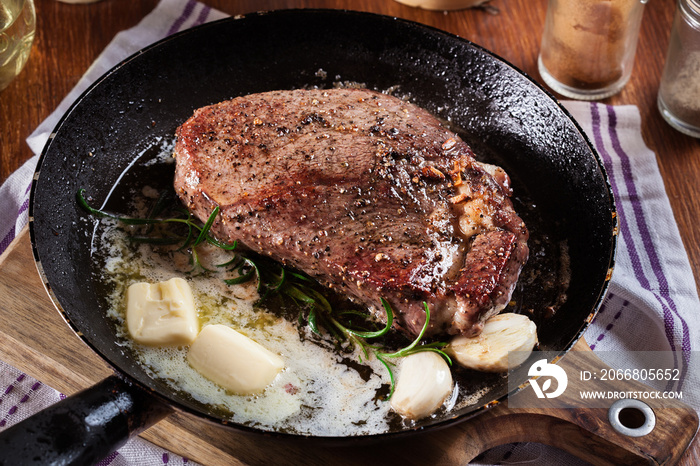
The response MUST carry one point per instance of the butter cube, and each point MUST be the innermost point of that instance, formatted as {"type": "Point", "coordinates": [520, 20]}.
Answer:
{"type": "Point", "coordinates": [233, 361]}
{"type": "Point", "coordinates": [161, 314]}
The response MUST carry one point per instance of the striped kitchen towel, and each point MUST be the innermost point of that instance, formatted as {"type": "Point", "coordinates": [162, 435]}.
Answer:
{"type": "Point", "coordinates": [652, 301]}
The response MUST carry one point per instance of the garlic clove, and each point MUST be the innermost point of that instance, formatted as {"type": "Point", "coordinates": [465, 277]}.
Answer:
{"type": "Point", "coordinates": [425, 381]}
{"type": "Point", "coordinates": [489, 350]}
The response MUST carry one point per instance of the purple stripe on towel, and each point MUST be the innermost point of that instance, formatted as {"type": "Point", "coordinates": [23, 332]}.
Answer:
{"type": "Point", "coordinates": [617, 315]}
{"type": "Point", "coordinates": [601, 310]}
{"type": "Point", "coordinates": [624, 228]}
{"type": "Point", "coordinates": [638, 213]}
{"type": "Point", "coordinates": [203, 15]}
{"type": "Point", "coordinates": [186, 12]}
{"type": "Point", "coordinates": [643, 227]}
{"type": "Point", "coordinates": [5, 242]}
{"type": "Point", "coordinates": [8, 389]}
{"type": "Point", "coordinates": [25, 204]}
{"type": "Point", "coordinates": [662, 295]}
{"type": "Point", "coordinates": [108, 459]}
{"type": "Point", "coordinates": [23, 208]}
{"type": "Point", "coordinates": [26, 397]}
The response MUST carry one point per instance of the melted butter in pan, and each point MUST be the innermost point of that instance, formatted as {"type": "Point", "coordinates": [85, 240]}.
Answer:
{"type": "Point", "coordinates": [315, 394]}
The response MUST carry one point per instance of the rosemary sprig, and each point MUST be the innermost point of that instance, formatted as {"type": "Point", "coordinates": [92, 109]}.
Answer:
{"type": "Point", "coordinates": [247, 270]}
{"type": "Point", "coordinates": [193, 226]}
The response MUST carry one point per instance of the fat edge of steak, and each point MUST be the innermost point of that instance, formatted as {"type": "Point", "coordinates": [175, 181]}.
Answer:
{"type": "Point", "coordinates": [369, 194]}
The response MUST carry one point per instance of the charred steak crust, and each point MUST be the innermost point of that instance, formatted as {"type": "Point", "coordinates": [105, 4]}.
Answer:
{"type": "Point", "coordinates": [366, 192]}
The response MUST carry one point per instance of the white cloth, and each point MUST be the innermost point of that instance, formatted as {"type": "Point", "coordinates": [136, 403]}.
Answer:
{"type": "Point", "coordinates": [652, 301]}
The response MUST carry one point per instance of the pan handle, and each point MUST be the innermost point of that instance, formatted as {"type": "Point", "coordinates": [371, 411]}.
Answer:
{"type": "Point", "coordinates": [83, 428]}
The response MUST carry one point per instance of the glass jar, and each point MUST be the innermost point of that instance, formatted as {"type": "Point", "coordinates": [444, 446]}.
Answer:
{"type": "Point", "coordinates": [17, 27]}
{"type": "Point", "coordinates": [588, 46]}
{"type": "Point", "coordinates": [679, 92]}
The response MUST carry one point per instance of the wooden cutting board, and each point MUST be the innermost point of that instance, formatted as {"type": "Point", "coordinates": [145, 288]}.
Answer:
{"type": "Point", "coordinates": [35, 339]}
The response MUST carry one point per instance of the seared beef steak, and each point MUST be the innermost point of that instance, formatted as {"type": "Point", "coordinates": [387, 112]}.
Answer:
{"type": "Point", "coordinates": [365, 192]}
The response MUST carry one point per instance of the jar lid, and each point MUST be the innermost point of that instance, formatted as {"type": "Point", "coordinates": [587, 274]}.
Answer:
{"type": "Point", "coordinates": [691, 8]}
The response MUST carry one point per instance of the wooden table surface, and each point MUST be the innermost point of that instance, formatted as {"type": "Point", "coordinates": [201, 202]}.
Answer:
{"type": "Point", "coordinates": [69, 37]}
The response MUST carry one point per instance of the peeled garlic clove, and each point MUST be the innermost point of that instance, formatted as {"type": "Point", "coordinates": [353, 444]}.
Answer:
{"type": "Point", "coordinates": [425, 381]}
{"type": "Point", "coordinates": [489, 350]}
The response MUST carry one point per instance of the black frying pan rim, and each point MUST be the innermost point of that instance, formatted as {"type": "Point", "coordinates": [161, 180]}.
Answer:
{"type": "Point", "coordinates": [125, 375]}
